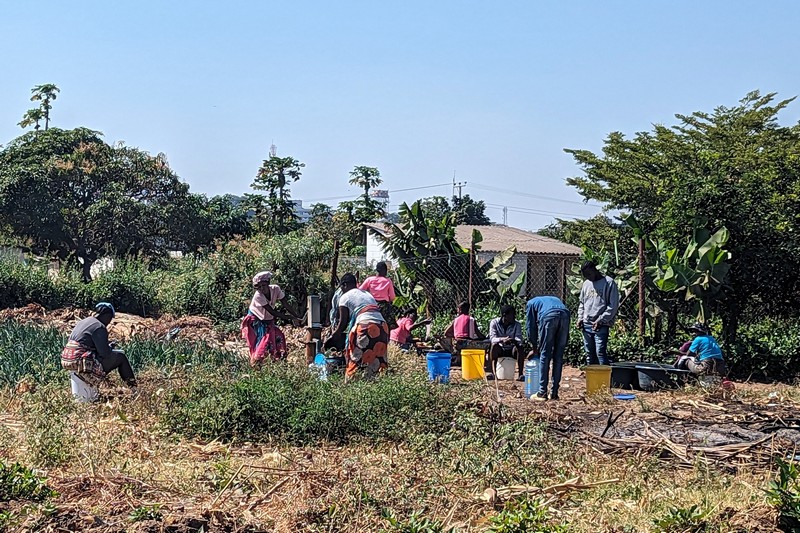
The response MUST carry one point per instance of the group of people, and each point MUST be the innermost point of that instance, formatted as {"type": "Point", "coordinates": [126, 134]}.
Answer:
{"type": "Point", "coordinates": [363, 326]}
{"type": "Point", "coordinates": [547, 323]}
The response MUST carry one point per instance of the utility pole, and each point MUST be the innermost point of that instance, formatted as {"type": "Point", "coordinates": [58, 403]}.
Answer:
{"type": "Point", "coordinates": [458, 186]}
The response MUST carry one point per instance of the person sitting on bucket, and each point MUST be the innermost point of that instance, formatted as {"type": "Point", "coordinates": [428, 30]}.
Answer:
{"type": "Point", "coordinates": [401, 335]}
{"type": "Point", "coordinates": [704, 355]}
{"type": "Point", "coordinates": [88, 352]}
{"type": "Point", "coordinates": [463, 329]}
{"type": "Point", "coordinates": [505, 334]}
{"type": "Point", "coordinates": [367, 332]}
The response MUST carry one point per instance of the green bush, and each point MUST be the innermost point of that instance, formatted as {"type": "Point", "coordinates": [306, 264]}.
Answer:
{"type": "Point", "coordinates": [292, 405]}
{"type": "Point", "coordinates": [767, 349]}
{"type": "Point", "coordinates": [29, 351]}
{"type": "Point", "coordinates": [18, 482]}
{"type": "Point", "coordinates": [21, 284]}
{"type": "Point", "coordinates": [525, 516]}
{"type": "Point", "coordinates": [784, 494]}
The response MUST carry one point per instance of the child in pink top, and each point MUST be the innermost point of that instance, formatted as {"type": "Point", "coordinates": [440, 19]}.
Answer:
{"type": "Point", "coordinates": [382, 289]}
{"type": "Point", "coordinates": [464, 327]}
{"type": "Point", "coordinates": [401, 335]}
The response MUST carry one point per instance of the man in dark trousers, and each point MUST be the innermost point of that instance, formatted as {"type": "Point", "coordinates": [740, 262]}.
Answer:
{"type": "Point", "coordinates": [89, 353]}
{"type": "Point", "coordinates": [547, 325]}
{"type": "Point", "coordinates": [599, 303]}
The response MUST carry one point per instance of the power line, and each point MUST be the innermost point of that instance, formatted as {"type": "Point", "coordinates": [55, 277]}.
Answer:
{"type": "Point", "coordinates": [390, 191]}
{"type": "Point", "coordinates": [530, 195]}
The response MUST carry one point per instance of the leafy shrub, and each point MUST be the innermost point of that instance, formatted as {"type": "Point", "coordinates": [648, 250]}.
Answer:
{"type": "Point", "coordinates": [784, 494]}
{"type": "Point", "coordinates": [293, 405]}
{"type": "Point", "coordinates": [29, 351]}
{"type": "Point", "coordinates": [524, 516]}
{"type": "Point", "coordinates": [768, 349]}
{"type": "Point", "coordinates": [682, 519]}
{"type": "Point", "coordinates": [18, 482]}
{"type": "Point", "coordinates": [21, 284]}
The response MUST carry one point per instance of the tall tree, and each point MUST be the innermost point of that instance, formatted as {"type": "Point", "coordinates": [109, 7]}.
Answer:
{"type": "Point", "coordinates": [469, 211]}
{"type": "Point", "coordinates": [70, 194]}
{"type": "Point", "coordinates": [32, 117]}
{"type": "Point", "coordinates": [277, 211]}
{"type": "Point", "coordinates": [597, 233]}
{"type": "Point", "coordinates": [464, 210]}
{"type": "Point", "coordinates": [45, 93]}
{"type": "Point", "coordinates": [735, 167]}
{"type": "Point", "coordinates": [367, 209]}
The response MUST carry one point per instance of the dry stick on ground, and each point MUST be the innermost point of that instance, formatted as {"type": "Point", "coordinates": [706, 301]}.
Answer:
{"type": "Point", "coordinates": [611, 421]}
{"type": "Point", "coordinates": [228, 484]}
{"type": "Point", "coordinates": [491, 495]}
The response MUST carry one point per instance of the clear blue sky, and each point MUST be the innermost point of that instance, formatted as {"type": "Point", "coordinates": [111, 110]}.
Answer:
{"type": "Point", "coordinates": [491, 90]}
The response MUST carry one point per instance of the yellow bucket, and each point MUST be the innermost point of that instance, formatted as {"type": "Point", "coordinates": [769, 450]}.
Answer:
{"type": "Point", "coordinates": [598, 378]}
{"type": "Point", "coordinates": [472, 364]}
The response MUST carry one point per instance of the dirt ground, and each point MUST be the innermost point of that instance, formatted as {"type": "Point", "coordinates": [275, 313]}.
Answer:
{"type": "Point", "coordinates": [742, 430]}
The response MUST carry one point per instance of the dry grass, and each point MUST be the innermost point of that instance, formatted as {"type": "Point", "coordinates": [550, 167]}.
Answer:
{"type": "Point", "coordinates": [122, 460]}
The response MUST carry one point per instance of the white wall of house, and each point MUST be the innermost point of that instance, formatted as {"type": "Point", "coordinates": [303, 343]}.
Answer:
{"type": "Point", "coordinates": [375, 251]}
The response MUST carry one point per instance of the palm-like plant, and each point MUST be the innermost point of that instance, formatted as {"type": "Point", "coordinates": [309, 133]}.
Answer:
{"type": "Point", "coordinates": [274, 176]}
{"type": "Point", "coordinates": [45, 93]}
{"type": "Point", "coordinates": [32, 117]}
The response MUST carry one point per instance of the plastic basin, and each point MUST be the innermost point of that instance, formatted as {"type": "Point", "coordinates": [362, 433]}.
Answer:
{"type": "Point", "coordinates": [655, 376]}
{"type": "Point", "coordinates": [625, 376]}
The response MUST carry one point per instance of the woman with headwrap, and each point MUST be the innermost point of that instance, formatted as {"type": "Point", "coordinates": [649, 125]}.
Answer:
{"type": "Point", "coordinates": [258, 327]}
{"type": "Point", "coordinates": [364, 328]}
{"type": "Point", "coordinates": [88, 352]}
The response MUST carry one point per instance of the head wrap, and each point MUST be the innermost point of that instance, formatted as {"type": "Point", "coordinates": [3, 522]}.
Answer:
{"type": "Point", "coordinates": [262, 277]}
{"type": "Point", "coordinates": [105, 307]}
{"type": "Point", "coordinates": [348, 279]}
{"type": "Point", "coordinates": [699, 327]}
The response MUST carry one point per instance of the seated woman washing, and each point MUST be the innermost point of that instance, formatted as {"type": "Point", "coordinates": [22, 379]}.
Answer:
{"type": "Point", "coordinates": [704, 355]}
{"type": "Point", "coordinates": [258, 327]}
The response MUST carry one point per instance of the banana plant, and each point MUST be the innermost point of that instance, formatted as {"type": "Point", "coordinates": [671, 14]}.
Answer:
{"type": "Point", "coordinates": [697, 274]}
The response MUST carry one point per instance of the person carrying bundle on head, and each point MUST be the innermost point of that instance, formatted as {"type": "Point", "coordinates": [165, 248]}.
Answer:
{"type": "Point", "coordinates": [89, 354]}
{"type": "Point", "coordinates": [263, 336]}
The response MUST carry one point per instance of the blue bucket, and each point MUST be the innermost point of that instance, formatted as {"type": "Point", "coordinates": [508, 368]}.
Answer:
{"type": "Point", "coordinates": [439, 367]}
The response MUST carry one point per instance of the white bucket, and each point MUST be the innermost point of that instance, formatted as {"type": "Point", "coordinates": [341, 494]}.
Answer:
{"type": "Point", "coordinates": [81, 390]}
{"type": "Point", "coordinates": [506, 367]}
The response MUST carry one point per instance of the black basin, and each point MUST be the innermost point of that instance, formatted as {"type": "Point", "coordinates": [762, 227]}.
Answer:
{"type": "Point", "coordinates": [625, 376]}
{"type": "Point", "coordinates": [655, 376]}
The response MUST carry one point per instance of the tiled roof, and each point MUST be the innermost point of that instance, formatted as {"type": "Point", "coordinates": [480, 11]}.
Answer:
{"type": "Point", "coordinates": [497, 238]}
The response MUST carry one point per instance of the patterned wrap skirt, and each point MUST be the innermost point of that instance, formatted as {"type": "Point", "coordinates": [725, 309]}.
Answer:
{"type": "Point", "coordinates": [366, 348]}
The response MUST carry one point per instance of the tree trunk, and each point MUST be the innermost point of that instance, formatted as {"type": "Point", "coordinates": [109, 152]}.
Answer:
{"type": "Point", "coordinates": [730, 321]}
{"type": "Point", "coordinates": [87, 269]}
{"type": "Point", "coordinates": [672, 322]}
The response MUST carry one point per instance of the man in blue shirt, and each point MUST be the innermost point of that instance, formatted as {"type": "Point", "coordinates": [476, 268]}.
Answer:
{"type": "Point", "coordinates": [547, 326]}
{"type": "Point", "coordinates": [704, 355]}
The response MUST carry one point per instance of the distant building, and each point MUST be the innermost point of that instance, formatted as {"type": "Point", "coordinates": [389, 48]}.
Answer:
{"type": "Point", "coordinates": [303, 214]}
{"type": "Point", "coordinates": [545, 262]}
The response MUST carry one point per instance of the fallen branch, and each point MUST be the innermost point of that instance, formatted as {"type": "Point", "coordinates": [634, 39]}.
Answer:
{"type": "Point", "coordinates": [492, 495]}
